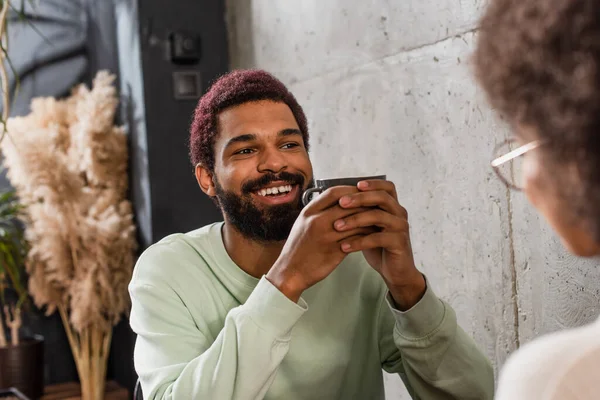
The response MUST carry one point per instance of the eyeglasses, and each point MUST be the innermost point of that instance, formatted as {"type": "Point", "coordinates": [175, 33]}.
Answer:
{"type": "Point", "coordinates": [508, 163]}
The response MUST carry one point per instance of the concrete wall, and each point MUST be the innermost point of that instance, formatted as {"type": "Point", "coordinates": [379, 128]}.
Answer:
{"type": "Point", "coordinates": [387, 89]}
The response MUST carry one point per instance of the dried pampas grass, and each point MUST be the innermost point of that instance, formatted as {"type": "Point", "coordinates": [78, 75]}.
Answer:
{"type": "Point", "coordinates": [68, 163]}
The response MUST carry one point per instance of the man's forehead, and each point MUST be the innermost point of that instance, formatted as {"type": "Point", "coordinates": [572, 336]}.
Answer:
{"type": "Point", "coordinates": [259, 118]}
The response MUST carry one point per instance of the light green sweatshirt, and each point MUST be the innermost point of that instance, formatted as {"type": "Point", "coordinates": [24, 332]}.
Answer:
{"type": "Point", "coordinates": [207, 330]}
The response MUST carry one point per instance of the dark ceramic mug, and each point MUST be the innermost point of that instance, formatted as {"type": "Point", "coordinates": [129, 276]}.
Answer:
{"type": "Point", "coordinates": [323, 184]}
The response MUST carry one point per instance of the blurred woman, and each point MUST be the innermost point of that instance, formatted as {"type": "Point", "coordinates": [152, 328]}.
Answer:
{"type": "Point", "coordinates": [539, 64]}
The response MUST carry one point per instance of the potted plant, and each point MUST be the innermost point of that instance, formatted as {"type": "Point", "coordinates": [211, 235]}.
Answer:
{"type": "Point", "coordinates": [68, 163]}
{"type": "Point", "coordinates": [21, 358]}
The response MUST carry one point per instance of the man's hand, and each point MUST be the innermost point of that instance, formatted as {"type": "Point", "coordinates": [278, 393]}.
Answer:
{"type": "Point", "coordinates": [312, 251]}
{"type": "Point", "coordinates": [388, 250]}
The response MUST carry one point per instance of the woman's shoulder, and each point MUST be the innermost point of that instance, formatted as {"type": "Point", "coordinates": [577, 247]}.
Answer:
{"type": "Point", "coordinates": [561, 365]}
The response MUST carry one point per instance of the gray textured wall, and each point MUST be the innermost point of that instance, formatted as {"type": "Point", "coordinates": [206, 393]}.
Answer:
{"type": "Point", "coordinates": [387, 89]}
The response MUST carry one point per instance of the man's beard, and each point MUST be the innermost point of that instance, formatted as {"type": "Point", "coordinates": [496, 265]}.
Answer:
{"type": "Point", "coordinates": [270, 223]}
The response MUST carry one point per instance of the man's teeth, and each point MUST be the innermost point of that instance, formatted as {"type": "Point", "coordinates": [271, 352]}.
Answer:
{"type": "Point", "coordinates": [275, 190]}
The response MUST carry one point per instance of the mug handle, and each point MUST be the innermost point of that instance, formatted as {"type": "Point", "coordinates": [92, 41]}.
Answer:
{"type": "Point", "coordinates": [306, 196]}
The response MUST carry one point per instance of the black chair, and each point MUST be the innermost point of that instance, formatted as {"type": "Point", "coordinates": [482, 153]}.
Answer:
{"type": "Point", "coordinates": [137, 391]}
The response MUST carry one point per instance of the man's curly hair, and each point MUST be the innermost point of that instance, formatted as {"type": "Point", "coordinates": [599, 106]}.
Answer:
{"type": "Point", "coordinates": [539, 63]}
{"type": "Point", "coordinates": [235, 88]}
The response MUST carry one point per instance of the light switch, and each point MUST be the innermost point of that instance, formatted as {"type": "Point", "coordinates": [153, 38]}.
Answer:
{"type": "Point", "coordinates": [187, 85]}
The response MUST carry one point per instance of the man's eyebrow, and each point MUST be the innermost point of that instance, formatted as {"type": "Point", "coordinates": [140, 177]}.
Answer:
{"type": "Point", "coordinates": [248, 137]}
{"type": "Point", "coordinates": [290, 131]}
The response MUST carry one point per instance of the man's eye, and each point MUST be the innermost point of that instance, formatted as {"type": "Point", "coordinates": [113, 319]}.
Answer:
{"type": "Point", "coordinates": [244, 151]}
{"type": "Point", "coordinates": [290, 145]}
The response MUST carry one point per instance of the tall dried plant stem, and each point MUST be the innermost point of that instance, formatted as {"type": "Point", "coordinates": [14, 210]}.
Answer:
{"type": "Point", "coordinates": [90, 350]}
{"type": "Point", "coordinates": [13, 323]}
{"type": "Point", "coordinates": [3, 342]}
{"type": "Point", "coordinates": [90, 347]}
{"type": "Point", "coordinates": [3, 67]}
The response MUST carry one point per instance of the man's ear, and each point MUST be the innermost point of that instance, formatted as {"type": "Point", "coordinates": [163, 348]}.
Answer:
{"type": "Point", "coordinates": [205, 180]}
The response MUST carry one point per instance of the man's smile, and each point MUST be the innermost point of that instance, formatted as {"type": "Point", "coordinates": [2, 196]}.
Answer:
{"type": "Point", "coordinates": [278, 192]}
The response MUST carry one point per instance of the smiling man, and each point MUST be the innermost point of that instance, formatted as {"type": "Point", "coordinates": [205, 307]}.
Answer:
{"type": "Point", "coordinates": [285, 302]}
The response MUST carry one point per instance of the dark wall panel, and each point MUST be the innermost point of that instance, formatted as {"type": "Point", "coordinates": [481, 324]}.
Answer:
{"type": "Point", "coordinates": [184, 48]}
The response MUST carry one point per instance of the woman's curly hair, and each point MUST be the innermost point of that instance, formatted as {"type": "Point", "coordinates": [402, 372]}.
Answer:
{"type": "Point", "coordinates": [539, 64]}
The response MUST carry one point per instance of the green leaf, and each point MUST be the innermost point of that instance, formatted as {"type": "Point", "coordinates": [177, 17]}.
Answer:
{"type": "Point", "coordinates": [13, 247]}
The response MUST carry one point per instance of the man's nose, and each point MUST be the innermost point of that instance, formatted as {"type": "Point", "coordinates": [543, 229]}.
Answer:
{"type": "Point", "coordinates": [272, 161]}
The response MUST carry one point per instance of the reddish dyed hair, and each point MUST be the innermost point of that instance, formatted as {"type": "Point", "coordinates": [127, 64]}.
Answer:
{"type": "Point", "coordinates": [232, 89]}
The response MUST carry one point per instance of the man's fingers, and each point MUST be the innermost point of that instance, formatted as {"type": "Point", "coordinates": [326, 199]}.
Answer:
{"type": "Point", "coordinates": [378, 198]}
{"type": "Point", "coordinates": [353, 234]}
{"type": "Point", "coordinates": [378, 184]}
{"type": "Point", "coordinates": [371, 217]}
{"type": "Point", "coordinates": [329, 198]}
{"type": "Point", "coordinates": [372, 241]}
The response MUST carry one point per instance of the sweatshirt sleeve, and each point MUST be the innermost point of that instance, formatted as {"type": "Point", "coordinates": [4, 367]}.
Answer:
{"type": "Point", "coordinates": [175, 359]}
{"type": "Point", "coordinates": [435, 358]}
